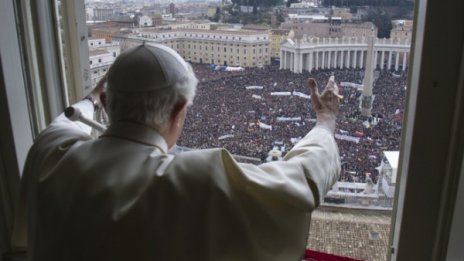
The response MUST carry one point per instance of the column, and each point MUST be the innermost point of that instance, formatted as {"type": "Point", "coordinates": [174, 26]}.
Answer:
{"type": "Point", "coordinates": [287, 58]}
{"type": "Point", "coordinates": [375, 60]}
{"type": "Point", "coordinates": [383, 60]}
{"type": "Point", "coordinates": [397, 61]}
{"type": "Point", "coordinates": [317, 60]}
{"type": "Point", "coordinates": [349, 60]}
{"type": "Point", "coordinates": [295, 62]}
{"type": "Point", "coordinates": [389, 59]}
{"type": "Point", "coordinates": [300, 63]}
{"type": "Point", "coordinates": [355, 58]}
{"type": "Point", "coordinates": [361, 64]}
{"type": "Point", "coordinates": [291, 61]}
{"type": "Point", "coordinates": [330, 59]}
{"type": "Point", "coordinates": [336, 59]}
{"type": "Point", "coordinates": [323, 59]}
{"type": "Point", "coordinates": [404, 60]}
{"type": "Point", "coordinates": [342, 59]}
{"type": "Point", "coordinates": [310, 61]}
{"type": "Point", "coordinates": [281, 60]}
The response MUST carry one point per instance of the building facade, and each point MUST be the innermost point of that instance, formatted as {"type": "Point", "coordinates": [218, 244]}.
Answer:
{"type": "Point", "coordinates": [106, 32]}
{"type": "Point", "coordinates": [102, 14]}
{"type": "Point", "coordinates": [350, 52]}
{"type": "Point", "coordinates": [323, 27]}
{"type": "Point", "coordinates": [234, 48]}
{"type": "Point", "coordinates": [343, 13]}
{"type": "Point", "coordinates": [101, 56]}
{"type": "Point", "coordinates": [145, 21]}
{"type": "Point", "coordinates": [402, 29]}
{"type": "Point", "coordinates": [276, 37]}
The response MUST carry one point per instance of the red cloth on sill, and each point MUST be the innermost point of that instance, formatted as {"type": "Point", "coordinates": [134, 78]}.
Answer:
{"type": "Point", "coordinates": [311, 255]}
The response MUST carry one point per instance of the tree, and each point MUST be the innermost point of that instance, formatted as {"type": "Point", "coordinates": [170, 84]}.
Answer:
{"type": "Point", "coordinates": [382, 21]}
{"type": "Point", "coordinates": [384, 25]}
{"type": "Point", "coordinates": [217, 15]}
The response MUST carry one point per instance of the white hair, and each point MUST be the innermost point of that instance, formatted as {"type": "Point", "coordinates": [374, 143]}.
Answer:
{"type": "Point", "coordinates": [151, 108]}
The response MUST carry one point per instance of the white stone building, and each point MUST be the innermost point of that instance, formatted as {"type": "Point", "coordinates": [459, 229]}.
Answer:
{"type": "Point", "coordinates": [101, 56]}
{"type": "Point", "coordinates": [229, 47]}
{"type": "Point", "coordinates": [347, 52]}
{"type": "Point", "coordinates": [145, 21]}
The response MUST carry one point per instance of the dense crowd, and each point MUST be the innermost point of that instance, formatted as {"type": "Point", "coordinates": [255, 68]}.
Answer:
{"type": "Point", "coordinates": [227, 114]}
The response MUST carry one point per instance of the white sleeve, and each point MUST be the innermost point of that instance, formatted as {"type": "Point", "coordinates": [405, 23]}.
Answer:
{"type": "Point", "coordinates": [87, 109]}
{"type": "Point", "coordinates": [306, 173]}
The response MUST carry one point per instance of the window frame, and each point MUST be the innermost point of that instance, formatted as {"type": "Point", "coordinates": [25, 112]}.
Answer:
{"type": "Point", "coordinates": [420, 231]}
{"type": "Point", "coordinates": [434, 154]}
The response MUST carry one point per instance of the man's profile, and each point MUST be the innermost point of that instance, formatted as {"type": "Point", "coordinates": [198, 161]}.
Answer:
{"type": "Point", "coordinates": [122, 197]}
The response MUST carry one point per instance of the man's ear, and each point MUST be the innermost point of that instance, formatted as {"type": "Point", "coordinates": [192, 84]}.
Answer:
{"type": "Point", "coordinates": [103, 99]}
{"type": "Point", "coordinates": [176, 111]}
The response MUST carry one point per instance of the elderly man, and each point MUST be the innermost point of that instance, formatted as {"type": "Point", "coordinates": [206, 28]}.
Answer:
{"type": "Point", "coordinates": [122, 197]}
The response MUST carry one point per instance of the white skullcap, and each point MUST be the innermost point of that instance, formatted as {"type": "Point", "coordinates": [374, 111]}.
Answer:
{"type": "Point", "coordinates": [147, 67]}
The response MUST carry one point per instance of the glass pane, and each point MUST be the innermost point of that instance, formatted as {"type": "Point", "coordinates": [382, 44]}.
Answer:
{"type": "Point", "coordinates": [253, 63]}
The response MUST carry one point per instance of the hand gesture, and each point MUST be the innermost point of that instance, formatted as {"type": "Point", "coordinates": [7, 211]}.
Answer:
{"type": "Point", "coordinates": [326, 105]}
{"type": "Point", "coordinates": [96, 93]}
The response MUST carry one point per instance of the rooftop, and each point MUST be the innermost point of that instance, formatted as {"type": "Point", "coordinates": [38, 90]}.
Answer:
{"type": "Point", "coordinates": [94, 52]}
{"type": "Point", "coordinates": [358, 234]}
{"type": "Point", "coordinates": [186, 30]}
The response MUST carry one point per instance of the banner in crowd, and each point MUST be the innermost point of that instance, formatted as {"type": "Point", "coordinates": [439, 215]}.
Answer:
{"type": "Point", "coordinates": [288, 118]}
{"type": "Point", "coordinates": [359, 87]}
{"type": "Point", "coordinates": [254, 87]}
{"type": "Point", "coordinates": [265, 126]}
{"type": "Point", "coordinates": [258, 97]}
{"type": "Point", "coordinates": [295, 140]}
{"type": "Point", "coordinates": [302, 95]}
{"type": "Point", "coordinates": [281, 93]}
{"type": "Point", "coordinates": [234, 69]}
{"type": "Point", "coordinates": [347, 138]}
{"type": "Point", "coordinates": [226, 136]}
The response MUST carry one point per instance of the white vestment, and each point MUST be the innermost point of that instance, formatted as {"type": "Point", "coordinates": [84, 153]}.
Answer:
{"type": "Point", "coordinates": [121, 197]}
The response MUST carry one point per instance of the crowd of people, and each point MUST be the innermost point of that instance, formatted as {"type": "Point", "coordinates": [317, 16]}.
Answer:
{"type": "Point", "coordinates": [252, 121]}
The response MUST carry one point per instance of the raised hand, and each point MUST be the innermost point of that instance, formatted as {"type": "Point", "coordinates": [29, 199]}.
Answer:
{"type": "Point", "coordinates": [326, 105]}
{"type": "Point", "coordinates": [97, 92]}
